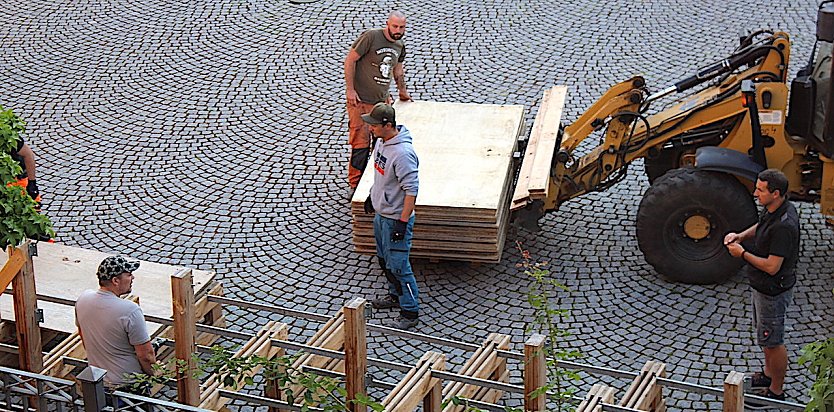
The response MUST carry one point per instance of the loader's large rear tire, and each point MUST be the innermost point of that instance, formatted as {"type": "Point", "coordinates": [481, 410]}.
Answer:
{"type": "Point", "coordinates": [683, 218]}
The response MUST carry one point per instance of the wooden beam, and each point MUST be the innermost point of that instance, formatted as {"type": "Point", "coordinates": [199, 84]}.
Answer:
{"type": "Point", "coordinates": [356, 352]}
{"type": "Point", "coordinates": [734, 392]}
{"type": "Point", "coordinates": [182, 293]}
{"type": "Point", "coordinates": [11, 268]}
{"type": "Point", "coordinates": [25, 309]}
{"type": "Point", "coordinates": [535, 373]}
{"type": "Point", "coordinates": [433, 401]}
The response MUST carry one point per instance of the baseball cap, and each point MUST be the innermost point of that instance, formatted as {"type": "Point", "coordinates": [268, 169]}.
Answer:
{"type": "Point", "coordinates": [381, 113]}
{"type": "Point", "coordinates": [113, 266]}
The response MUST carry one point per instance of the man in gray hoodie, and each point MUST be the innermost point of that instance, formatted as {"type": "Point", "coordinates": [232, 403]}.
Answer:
{"type": "Point", "coordinates": [392, 199]}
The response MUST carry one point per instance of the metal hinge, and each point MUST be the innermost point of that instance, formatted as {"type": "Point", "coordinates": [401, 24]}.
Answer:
{"type": "Point", "coordinates": [33, 248]}
{"type": "Point", "coordinates": [39, 315]}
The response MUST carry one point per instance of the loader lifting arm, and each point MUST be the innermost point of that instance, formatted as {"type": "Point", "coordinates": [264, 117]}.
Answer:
{"type": "Point", "coordinates": [628, 133]}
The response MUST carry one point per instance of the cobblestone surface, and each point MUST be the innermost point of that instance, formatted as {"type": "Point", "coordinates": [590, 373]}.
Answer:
{"type": "Point", "coordinates": [213, 134]}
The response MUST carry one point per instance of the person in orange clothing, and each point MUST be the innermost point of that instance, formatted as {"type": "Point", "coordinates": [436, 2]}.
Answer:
{"type": "Point", "coordinates": [373, 60]}
{"type": "Point", "coordinates": [26, 158]}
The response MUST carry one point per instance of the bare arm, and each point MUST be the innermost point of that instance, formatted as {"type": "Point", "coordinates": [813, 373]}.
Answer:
{"type": "Point", "coordinates": [146, 356]}
{"type": "Point", "coordinates": [29, 160]}
{"type": "Point", "coordinates": [350, 72]}
{"type": "Point", "coordinates": [399, 78]}
{"type": "Point", "coordinates": [769, 265]}
{"type": "Point", "coordinates": [408, 207]}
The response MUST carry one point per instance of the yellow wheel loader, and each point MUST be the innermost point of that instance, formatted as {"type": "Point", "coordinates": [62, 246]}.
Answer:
{"type": "Point", "coordinates": [703, 152]}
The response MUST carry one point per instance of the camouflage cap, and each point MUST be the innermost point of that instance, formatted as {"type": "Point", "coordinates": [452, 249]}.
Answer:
{"type": "Point", "coordinates": [113, 266]}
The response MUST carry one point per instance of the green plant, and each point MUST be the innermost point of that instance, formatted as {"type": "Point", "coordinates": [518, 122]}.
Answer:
{"type": "Point", "coordinates": [819, 358]}
{"type": "Point", "coordinates": [322, 392]}
{"type": "Point", "coordinates": [19, 218]}
{"type": "Point", "coordinates": [544, 296]}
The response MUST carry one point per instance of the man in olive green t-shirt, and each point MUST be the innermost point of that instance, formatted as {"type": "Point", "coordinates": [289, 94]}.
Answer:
{"type": "Point", "coordinates": [374, 58]}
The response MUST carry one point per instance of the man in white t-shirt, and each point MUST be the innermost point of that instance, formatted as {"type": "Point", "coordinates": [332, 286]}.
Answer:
{"type": "Point", "coordinates": [113, 329]}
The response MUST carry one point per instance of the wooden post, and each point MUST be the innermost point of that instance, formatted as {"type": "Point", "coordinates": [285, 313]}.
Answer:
{"type": "Point", "coordinates": [434, 399]}
{"type": "Point", "coordinates": [25, 313]}
{"type": "Point", "coordinates": [185, 328]}
{"type": "Point", "coordinates": [734, 392]}
{"type": "Point", "coordinates": [356, 352]}
{"type": "Point", "coordinates": [535, 372]}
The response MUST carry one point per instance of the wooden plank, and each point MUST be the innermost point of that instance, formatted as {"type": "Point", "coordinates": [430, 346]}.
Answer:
{"type": "Point", "coordinates": [734, 392]}
{"type": "Point", "coordinates": [29, 345]}
{"type": "Point", "coordinates": [548, 130]}
{"type": "Point", "coordinates": [477, 140]}
{"type": "Point", "coordinates": [11, 268]}
{"type": "Point", "coordinates": [535, 372]}
{"type": "Point", "coordinates": [65, 272]}
{"type": "Point", "coordinates": [356, 352]}
{"type": "Point", "coordinates": [185, 328]}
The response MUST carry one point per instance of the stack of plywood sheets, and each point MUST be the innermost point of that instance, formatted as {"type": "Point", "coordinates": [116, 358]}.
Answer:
{"type": "Point", "coordinates": [466, 167]}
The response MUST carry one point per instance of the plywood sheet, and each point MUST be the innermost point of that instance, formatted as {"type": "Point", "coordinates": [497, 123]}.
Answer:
{"type": "Point", "coordinates": [464, 151]}
{"type": "Point", "coordinates": [65, 271]}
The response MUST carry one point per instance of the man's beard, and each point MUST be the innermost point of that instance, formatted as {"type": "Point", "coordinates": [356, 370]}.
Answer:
{"type": "Point", "coordinates": [395, 36]}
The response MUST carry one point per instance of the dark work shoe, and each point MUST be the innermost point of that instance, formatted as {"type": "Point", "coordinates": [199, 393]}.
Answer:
{"type": "Point", "coordinates": [402, 323]}
{"type": "Point", "coordinates": [752, 404]}
{"type": "Point", "coordinates": [349, 193]}
{"type": "Point", "coordinates": [756, 381]}
{"type": "Point", "coordinates": [386, 302]}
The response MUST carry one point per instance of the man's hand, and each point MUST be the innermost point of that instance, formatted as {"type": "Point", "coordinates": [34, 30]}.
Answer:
{"type": "Point", "coordinates": [369, 206]}
{"type": "Point", "coordinates": [731, 237]}
{"type": "Point", "coordinates": [353, 97]}
{"type": "Point", "coordinates": [735, 249]}
{"type": "Point", "coordinates": [404, 96]}
{"type": "Point", "coordinates": [399, 230]}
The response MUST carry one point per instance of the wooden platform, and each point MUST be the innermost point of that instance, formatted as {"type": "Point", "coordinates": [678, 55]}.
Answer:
{"type": "Point", "coordinates": [465, 153]}
{"type": "Point", "coordinates": [64, 272]}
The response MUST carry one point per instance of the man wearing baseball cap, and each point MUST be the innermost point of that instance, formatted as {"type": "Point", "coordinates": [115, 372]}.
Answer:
{"type": "Point", "coordinates": [392, 199]}
{"type": "Point", "coordinates": [113, 329]}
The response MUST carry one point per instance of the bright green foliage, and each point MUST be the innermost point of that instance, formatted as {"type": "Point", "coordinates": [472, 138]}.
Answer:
{"type": "Point", "coordinates": [18, 218]}
{"type": "Point", "coordinates": [819, 356]}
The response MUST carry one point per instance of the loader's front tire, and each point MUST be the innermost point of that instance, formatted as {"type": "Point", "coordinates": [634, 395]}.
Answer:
{"type": "Point", "coordinates": [683, 218]}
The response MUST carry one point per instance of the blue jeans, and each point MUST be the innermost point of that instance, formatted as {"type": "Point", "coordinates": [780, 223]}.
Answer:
{"type": "Point", "coordinates": [401, 281]}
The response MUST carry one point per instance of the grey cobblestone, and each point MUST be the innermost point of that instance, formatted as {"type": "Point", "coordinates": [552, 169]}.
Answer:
{"type": "Point", "coordinates": [212, 134]}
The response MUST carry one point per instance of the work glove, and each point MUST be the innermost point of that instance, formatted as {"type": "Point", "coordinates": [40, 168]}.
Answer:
{"type": "Point", "coordinates": [369, 206]}
{"type": "Point", "coordinates": [32, 189]}
{"type": "Point", "coordinates": [398, 233]}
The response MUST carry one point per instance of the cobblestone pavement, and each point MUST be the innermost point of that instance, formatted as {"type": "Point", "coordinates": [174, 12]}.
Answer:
{"type": "Point", "coordinates": [212, 134]}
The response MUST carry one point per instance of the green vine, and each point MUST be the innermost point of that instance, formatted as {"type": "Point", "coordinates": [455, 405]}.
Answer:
{"type": "Point", "coordinates": [819, 358]}
{"type": "Point", "coordinates": [544, 297]}
{"type": "Point", "coordinates": [19, 218]}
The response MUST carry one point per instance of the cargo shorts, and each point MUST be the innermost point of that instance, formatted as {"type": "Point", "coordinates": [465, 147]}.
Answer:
{"type": "Point", "coordinates": [769, 317]}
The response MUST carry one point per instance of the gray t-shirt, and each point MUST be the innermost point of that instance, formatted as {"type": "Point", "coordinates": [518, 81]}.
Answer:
{"type": "Point", "coordinates": [375, 67]}
{"type": "Point", "coordinates": [110, 327]}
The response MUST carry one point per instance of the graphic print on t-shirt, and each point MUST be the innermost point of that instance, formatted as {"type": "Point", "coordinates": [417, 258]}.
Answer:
{"type": "Point", "coordinates": [379, 163]}
{"type": "Point", "coordinates": [386, 64]}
